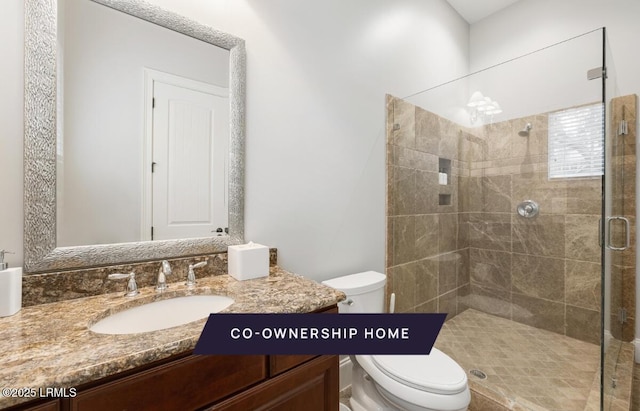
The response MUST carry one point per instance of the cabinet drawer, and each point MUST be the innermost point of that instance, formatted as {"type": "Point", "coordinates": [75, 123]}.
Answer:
{"type": "Point", "coordinates": [46, 406]}
{"type": "Point", "coordinates": [312, 386]}
{"type": "Point", "coordinates": [185, 384]}
{"type": "Point", "coordinates": [281, 363]}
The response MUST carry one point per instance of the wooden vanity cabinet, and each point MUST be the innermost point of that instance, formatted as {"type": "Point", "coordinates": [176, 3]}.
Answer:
{"type": "Point", "coordinates": [188, 383]}
{"type": "Point", "coordinates": [312, 386]}
{"type": "Point", "coordinates": [213, 383]}
{"type": "Point", "coordinates": [53, 405]}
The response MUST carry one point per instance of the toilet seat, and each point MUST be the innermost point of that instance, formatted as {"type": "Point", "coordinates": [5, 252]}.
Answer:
{"type": "Point", "coordinates": [436, 372]}
{"type": "Point", "coordinates": [413, 391]}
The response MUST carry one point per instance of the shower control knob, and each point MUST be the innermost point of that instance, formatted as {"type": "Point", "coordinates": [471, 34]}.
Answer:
{"type": "Point", "coordinates": [528, 209]}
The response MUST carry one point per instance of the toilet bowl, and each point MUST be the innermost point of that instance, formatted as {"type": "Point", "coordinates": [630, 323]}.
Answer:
{"type": "Point", "coordinates": [433, 382]}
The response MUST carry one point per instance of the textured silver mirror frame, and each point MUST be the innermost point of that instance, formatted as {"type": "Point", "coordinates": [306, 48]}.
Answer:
{"type": "Point", "coordinates": [40, 251]}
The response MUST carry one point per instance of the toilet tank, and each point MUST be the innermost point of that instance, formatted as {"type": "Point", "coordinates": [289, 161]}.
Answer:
{"type": "Point", "coordinates": [365, 292]}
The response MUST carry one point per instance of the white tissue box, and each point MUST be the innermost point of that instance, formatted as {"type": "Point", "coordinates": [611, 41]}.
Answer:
{"type": "Point", "coordinates": [248, 261]}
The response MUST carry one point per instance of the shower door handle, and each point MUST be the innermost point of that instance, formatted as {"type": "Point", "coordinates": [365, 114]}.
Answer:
{"type": "Point", "coordinates": [627, 231]}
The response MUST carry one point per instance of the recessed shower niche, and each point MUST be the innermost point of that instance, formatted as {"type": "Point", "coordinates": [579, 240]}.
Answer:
{"type": "Point", "coordinates": [444, 171]}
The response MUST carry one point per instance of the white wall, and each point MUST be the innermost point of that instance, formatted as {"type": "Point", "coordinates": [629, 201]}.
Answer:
{"type": "Point", "coordinates": [316, 79]}
{"type": "Point", "coordinates": [529, 25]}
{"type": "Point", "coordinates": [317, 75]}
{"type": "Point", "coordinates": [11, 129]}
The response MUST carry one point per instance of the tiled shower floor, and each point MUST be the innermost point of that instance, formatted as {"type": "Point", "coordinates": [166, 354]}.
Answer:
{"type": "Point", "coordinates": [527, 368]}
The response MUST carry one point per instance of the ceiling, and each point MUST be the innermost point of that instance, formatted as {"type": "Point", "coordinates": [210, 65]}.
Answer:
{"type": "Point", "coordinates": [475, 10]}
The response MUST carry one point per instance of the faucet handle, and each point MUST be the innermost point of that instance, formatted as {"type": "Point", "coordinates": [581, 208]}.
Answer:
{"type": "Point", "coordinates": [132, 286]}
{"type": "Point", "coordinates": [163, 272]}
{"type": "Point", "coordinates": [191, 276]}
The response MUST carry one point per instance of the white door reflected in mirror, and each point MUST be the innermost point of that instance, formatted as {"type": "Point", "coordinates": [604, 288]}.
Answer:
{"type": "Point", "coordinates": [189, 145]}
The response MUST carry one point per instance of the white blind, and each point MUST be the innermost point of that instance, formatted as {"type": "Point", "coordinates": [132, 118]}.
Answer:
{"type": "Point", "coordinates": [576, 142]}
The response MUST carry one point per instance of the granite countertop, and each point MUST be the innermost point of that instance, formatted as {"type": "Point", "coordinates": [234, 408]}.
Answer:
{"type": "Point", "coordinates": [50, 345]}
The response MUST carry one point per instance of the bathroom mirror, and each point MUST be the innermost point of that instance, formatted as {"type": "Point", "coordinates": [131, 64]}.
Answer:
{"type": "Point", "coordinates": [43, 105]}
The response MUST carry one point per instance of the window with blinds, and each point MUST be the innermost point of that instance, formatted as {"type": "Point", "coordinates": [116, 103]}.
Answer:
{"type": "Point", "coordinates": [576, 143]}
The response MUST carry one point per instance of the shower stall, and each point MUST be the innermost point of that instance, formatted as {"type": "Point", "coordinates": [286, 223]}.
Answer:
{"type": "Point", "coordinates": [511, 207]}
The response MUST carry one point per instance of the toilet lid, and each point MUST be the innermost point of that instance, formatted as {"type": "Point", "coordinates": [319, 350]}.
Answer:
{"type": "Point", "coordinates": [436, 372]}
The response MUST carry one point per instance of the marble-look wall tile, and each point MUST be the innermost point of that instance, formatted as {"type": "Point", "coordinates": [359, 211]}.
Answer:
{"type": "Point", "coordinates": [625, 107]}
{"type": "Point", "coordinates": [490, 194]}
{"type": "Point", "coordinates": [427, 235]}
{"type": "Point", "coordinates": [402, 191]}
{"type": "Point", "coordinates": [448, 266]}
{"type": "Point", "coordinates": [426, 192]}
{"type": "Point", "coordinates": [471, 147]}
{"type": "Point", "coordinates": [489, 268]}
{"type": "Point", "coordinates": [536, 276]}
{"type": "Point", "coordinates": [390, 102]}
{"type": "Point", "coordinates": [413, 159]}
{"type": "Point", "coordinates": [463, 231]}
{"type": "Point", "coordinates": [389, 243]}
{"type": "Point", "coordinates": [583, 324]}
{"type": "Point", "coordinates": [629, 184]}
{"type": "Point", "coordinates": [402, 281]}
{"type": "Point", "coordinates": [582, 284]}
{"type": "Point", "coordinates": [448, 227]}
{"type": "Point", "coordinates": [528, 270]}
{"type": "Point", "coordinates": [464, 276]}
{"type": "Point", "coordinates": [463, 194]}
{"type": "Point", "coordinates": [430, 306]}
{"type": "Point", "coordinates": [426, 285]}
{"type": "Point", "coordinates": [617, 285]}
{"type": "Point", "coordinates": [480, 402]}
{"type": "Point", "coordinates": [582, 242]}
{"type": "Point", "coordinates": [449, 141]}
{"type": "Point", "coordinates": [452, 190]}
{"type": "Point", "coordinates": [404, 124]}
{"type": "Point", "coordinates": [543, 235]}
{"type": "Point", "coordinates": [427, 126]}
{"type": "Point", "coordinates": [420, 228]}
{"type": "Point", "coordinates": [551, 195]}
{"type": "Point", "coordinates": [498, 137]}
{"type": "Point", "coordinates": [629, 301]}
{"type": "Point", "coordinates": [535, 141]}
{"type": "Point", "coordinates": [462, 293]}
{"type": "Point", "coordinates": [488, 300]}
{"type": "Point", "coordinates": [490, 231]}
{"type": "Point", "coordinates": [584, 196]}
{"type": "Point", "coordinates": [436, 135]}
{"type": "Point", "coordinates": [448, 303]}
{"type": "Point", "coordinates": [539, 313]}
{"type": "Point", "coordinates": [628, 291]}
{"type": "Point", "coordinates": [404, 239]}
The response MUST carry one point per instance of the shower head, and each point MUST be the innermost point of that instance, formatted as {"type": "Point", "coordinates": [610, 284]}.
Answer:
{"type": "Point", "coordinates": [525, 131]}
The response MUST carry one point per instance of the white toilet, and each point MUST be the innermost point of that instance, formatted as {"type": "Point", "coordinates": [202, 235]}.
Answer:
{"type": "Point", "coordinates": [433, 382]}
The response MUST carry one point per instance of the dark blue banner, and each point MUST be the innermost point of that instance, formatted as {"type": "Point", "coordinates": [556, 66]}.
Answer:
{"type": "Point", "coordinates": [319, 334]}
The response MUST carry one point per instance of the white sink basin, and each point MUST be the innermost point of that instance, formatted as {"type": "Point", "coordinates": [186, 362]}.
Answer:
{"type": "Point", "coordinates": [160, 315]}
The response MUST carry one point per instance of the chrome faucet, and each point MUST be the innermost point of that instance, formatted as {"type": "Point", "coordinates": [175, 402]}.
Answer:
{"type": "Point", "coordinates": [191, 275]}
{"type": "Point", "coordinates": [165, 270]}
{"type": "Point", "coordinates": [132, 287]}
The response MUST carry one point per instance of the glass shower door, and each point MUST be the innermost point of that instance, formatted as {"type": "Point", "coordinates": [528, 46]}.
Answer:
{"type": "Point", "coordinates": [618, 227]}
{"type": "Point", "coordinates": [522, 283]}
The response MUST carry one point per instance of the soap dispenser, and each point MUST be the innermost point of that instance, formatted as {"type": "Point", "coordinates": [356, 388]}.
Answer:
{"type": "Point", "coordinates": [10, 288]}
